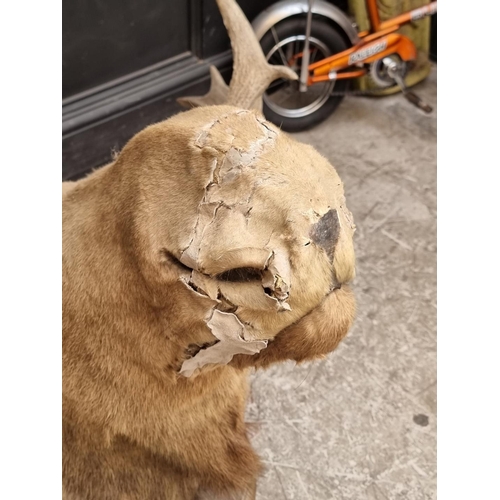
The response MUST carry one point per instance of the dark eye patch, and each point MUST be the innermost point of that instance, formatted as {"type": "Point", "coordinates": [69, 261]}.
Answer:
{"type": "Point", "coordinates": [241, 275]}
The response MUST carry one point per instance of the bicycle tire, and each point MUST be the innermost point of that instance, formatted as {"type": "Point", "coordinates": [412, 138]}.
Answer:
{"type": "Point", "coordinates": [328, 41]}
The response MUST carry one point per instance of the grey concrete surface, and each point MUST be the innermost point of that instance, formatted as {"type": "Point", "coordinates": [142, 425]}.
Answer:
{"type": "Point", "coordinates": [361, 424]}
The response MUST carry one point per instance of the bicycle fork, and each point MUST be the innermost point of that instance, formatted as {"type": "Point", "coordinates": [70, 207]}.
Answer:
{"type": "Point", "coordinates": [304, 69]}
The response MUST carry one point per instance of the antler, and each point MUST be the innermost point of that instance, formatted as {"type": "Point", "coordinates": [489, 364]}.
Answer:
{"type": "Point", "coordinates": [251, 72]}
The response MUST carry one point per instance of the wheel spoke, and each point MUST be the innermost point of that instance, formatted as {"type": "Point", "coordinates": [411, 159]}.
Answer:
{"type": "Point", "coordinates": [280, 50]}
{"type": "Point", "coordinates": [315, 52]}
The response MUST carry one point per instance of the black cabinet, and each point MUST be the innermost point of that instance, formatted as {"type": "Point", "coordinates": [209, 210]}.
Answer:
{"type": "Point", "coordinates": [105, 40]}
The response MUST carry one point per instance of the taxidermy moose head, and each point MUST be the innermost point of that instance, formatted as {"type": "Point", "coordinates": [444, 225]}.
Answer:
{"type": "Point", "coordinates": [213, 243]}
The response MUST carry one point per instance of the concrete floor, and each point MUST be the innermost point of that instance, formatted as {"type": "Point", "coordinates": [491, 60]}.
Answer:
{"type": "Point", "coordinates": [362, 423]}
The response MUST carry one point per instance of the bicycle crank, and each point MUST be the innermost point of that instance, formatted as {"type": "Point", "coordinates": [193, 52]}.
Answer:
{"type": "Point", "coordinates": [396, 72]}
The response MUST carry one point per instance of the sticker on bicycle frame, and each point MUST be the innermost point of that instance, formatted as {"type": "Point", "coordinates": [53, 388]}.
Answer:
{"type": "Point", "coordinates": [369, 51]}
{"type": "Point", "coordinates": [423, 11]}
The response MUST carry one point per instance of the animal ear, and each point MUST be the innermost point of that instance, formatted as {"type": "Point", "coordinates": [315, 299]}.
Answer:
{"type": "Point", "coordinates": [251, 72]}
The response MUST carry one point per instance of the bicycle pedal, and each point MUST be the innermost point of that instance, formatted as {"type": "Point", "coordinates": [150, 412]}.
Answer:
{"type": "Point", "coordinates": [416, 101]}
{"type": "Point", "coordinates": [413, 98]}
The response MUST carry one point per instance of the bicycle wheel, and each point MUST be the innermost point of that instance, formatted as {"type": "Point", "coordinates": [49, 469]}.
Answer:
{"type": "Point", "coordinates": [284, 104]}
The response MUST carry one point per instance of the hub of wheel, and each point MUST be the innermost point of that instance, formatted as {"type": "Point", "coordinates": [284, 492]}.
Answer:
{"type": "Point", "coordinates": [384, 71]}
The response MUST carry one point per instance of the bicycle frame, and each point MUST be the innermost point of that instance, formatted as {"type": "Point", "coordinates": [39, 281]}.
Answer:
{"type": "Point", "coordinates": [376, 44]}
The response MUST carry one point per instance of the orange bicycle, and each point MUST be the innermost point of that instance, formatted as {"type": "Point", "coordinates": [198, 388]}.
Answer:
{"type": "Point", "coordinates": [321, 43]}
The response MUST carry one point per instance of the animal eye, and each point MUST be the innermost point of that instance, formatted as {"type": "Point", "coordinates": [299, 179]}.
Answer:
{"type": "Point", "coordinates": [241, 275]}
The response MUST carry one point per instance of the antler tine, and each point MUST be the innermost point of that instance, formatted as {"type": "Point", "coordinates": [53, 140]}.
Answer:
{"type": "Point", "coordinates": [217, 94]}
{"type": "Point", "coordinates": [251, 72]}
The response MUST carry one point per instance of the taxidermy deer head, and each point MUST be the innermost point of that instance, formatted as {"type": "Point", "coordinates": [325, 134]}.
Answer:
{"type": "Point", "coordinates": [213, 242]}
{"type": "Point", "coordinates": [235, 224]}
{"type": "Point", "coordinates": [246, 167]}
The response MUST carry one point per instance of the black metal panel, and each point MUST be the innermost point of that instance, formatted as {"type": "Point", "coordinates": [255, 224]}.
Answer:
{"type": "Point", "coordinates": [106, 39]}
{"type": "Point", "coordinates": [108, 100]}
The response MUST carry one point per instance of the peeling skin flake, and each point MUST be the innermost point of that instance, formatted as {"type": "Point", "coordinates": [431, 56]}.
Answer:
{"type": "Point", "coordinates": [231, 333]}
{"type": "Point", "coordinates": [233, 337]}
{"type": "Point", "coordinates": [206, 284]}
{"type": "Point", "coordinates": [225, 170]}
{"type": "Point", "coordinates": [277, 277]}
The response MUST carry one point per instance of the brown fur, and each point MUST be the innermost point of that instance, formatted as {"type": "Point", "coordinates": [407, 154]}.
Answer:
{"type": "Point", "coordinates": [133, 428]}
